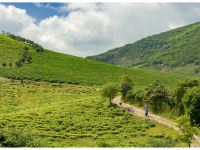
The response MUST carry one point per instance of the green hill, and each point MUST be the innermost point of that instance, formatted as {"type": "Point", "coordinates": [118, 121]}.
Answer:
{"type": "Point", "coordinates": [178, 49]}
{"type": "Point", "coordinates": [56, 67]}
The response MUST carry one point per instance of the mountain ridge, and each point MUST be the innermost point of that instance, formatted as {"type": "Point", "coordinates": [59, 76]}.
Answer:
{"type": "Point", "coordinates": [168, 50]}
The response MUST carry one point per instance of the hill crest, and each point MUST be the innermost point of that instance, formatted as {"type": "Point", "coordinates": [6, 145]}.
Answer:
{"type": "Point", "coordinates": [169, 50]}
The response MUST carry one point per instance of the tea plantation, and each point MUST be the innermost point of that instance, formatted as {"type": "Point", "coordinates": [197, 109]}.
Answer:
{"type": "Point", "coordinates": [74, 116]}
{"type": "Point", "coordinates": [55, 67]}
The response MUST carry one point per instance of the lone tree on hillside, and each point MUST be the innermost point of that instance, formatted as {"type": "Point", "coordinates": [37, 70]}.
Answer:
{"type": "Point", "coordinates": [109, 91]}
{"type": "Point", "coordinates": [4, 64]}
{"type": "Point", "coordinates": [191, 103]}
{"type": "Point", "coordinates": [29, 59]}
{"type": "Point", "coordinates": [10, 64]}
{"type": "Point", "coordinates": [156, 94]}
{"type": "Point", "coordinates": [187, 130]}
{"type": "Point", "coordinates": [18, 63]}
{"type": "Point", "coordinates": [26, 48]}
{"type": "Point", "coordinates": [39, 49]}
{"type": "Point", "coordinates": [126, 85]}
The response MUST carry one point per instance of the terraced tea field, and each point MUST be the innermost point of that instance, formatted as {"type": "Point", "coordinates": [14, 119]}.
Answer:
{"type": "Point", "coordinates": [75, 116]}
{"type": "Point", "coordinates": [56, 67]}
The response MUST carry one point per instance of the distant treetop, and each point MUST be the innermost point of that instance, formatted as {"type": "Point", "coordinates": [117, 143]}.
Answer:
{"type": "Point", "coordinates": [38, 47]}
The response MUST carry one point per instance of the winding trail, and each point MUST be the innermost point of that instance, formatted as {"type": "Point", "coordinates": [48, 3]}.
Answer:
{"type": "Point", "coordinates": [140, 112]}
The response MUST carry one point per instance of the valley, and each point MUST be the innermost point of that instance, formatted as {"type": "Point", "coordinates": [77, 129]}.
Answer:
{"type": "Point", "coordinates": [49, 99]}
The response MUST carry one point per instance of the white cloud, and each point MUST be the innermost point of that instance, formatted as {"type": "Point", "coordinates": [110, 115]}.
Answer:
{"type": "Point", "coordinates": [45, 5]}
{"type": "Point", "coordinates": [14, 19]}
{"type": "Point", "coordinates": [92, 28]}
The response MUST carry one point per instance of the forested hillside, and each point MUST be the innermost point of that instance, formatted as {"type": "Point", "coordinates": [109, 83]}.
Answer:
{"type": "Point", "coordinates": [178, 49]}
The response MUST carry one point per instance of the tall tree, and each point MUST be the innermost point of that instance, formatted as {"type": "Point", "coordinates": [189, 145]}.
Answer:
{"type": "Point", "coordinates": [109, 91]}
{"type": "Point", "coordinates": [180, 91]}
{"type": "Point", "coordinates": [126, 85]}
{"type": "Point", "coordinates": [191, 103]}
{"type": "Point", "coordinates": [156, 95]}
{"type": "Point", "coordinates": [186, 129]}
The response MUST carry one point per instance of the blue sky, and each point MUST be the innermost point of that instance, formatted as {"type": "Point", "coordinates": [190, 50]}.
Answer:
{"type": "Point", "coordinates": [40, 10]}
{"type": "Point", "coordinates": [84, 29]}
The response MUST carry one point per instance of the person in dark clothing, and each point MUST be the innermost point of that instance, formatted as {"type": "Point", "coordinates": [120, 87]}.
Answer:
{"type": "Point", "coordinates": [146, 110]}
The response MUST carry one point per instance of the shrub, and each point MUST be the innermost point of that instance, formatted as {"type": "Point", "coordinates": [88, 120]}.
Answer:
{"type": "Point", "coordinates": [130, 96]}
{"type": "Point", "coordinates": [161, 142]}
{"type": "Point", "coordinates": [39, 49]}
{"type": "Point", "coordinates": [197, 69]}
{"type": "Point", "coordinates": [139, 95]}
{"type": "Point", "coordinates": [26, 48]}
{"type": "Point", "coordinates": [19, 138]}
{"type": "Point", "coordinates": [18, 63]}
{"type": "Point", "coordinates": [10, 64]}
{"type": "Point", "coordinates": [109, 91]}
{"type": "Point", "coordinates": [135, 96]}
{"type": "Point", "coordinates": [2, 137]}
{"type": "Point", "coordinates": [29, 59]}
{"type": "Point", "coordinates": [4, 64]}
{"type": "Point", "coordinates": [16, 139]}
{"type": "Point", "coordinates": [23, 59]}
{"type": "Point", "coordinates": [102, 143]}
{"type": "Point", "coordinates": [126, 85]}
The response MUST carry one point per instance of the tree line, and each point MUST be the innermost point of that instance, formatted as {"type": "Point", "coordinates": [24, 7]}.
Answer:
{"type": "Point", "coordinates": [36, 46]}
{"type": "Point", "coordinates": [182, 101]}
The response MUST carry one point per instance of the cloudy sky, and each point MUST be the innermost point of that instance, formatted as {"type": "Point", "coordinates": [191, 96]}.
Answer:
{"type": "Point", "coordinates": [87, 29]}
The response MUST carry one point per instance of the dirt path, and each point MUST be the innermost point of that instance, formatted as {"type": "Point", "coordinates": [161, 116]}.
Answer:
{"type": "Point", "coordinates": [140, 112]}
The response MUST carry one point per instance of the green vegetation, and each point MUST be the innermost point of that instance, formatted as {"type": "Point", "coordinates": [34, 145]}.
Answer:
{"type": "Point", "coordinates": [191, 103]}
{"type": "Point", "coordinates": [10, 50]}
{"type": "Point", "coordinates": [187, 130]}
{"type": "Point", "coordinates": [126, 85]}
{"type": "Point", "coordinates": [36, 46]}
{"type": "Point", "coordinates": [109, 91]}
{"type": "Point", "coordinates": [19, 138]}
{"type": "Point", "coordinates": [55, 67]}
{"type": "Point", "coordinates": [135, 96]}
{"type": "Point", "coordinates": [180, 91]}
{"type": "Point", "coordinates": [174, 50]}
{"type": "Point", "coordinates": [157, 96]}
{"type": "Point", "coordinates": [72, 115]}
{"type": "Point", "coordinates": [180, 100]}
{"type": "Point", "coordinates": [65, 108]}
{"type": "Point", "coordinates": [24, 58]}
{"type": "Point", "coordinates": [185, 100]}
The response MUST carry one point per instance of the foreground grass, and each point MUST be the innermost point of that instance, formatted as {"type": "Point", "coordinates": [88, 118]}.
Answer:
{"type": "Point", "coordinates": [75, 116]}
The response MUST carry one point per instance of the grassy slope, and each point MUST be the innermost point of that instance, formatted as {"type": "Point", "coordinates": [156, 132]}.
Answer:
{"type": "Point", "coordinates": [168, 50]}
{"type": "Point", "coordinates": [74, 115]}
{"type": "Point", "coordinates": [10, 50]}
{"type": "Point", "coordinates": [51, 66]}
